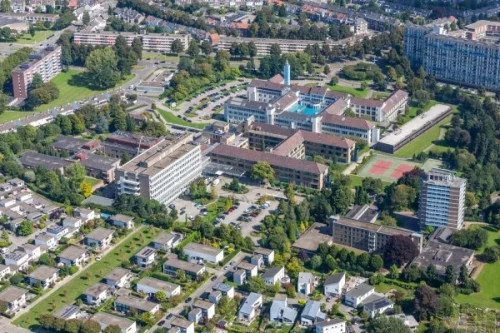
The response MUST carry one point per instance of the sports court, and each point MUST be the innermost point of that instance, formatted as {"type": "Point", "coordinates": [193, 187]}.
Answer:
{"type": "Point", "coordinates": [390, 169]}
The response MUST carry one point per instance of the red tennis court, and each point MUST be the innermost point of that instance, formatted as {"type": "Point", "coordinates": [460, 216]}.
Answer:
{"type": "Point", "coordinates": [383, 164]}
{"type": "Point", "coordinates": [401, 169]}
{"type": "Point", "coordinates": [380, 167]}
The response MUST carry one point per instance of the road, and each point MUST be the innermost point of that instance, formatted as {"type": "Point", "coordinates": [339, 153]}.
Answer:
{"type": "Point", "coordinates": [205, 287]}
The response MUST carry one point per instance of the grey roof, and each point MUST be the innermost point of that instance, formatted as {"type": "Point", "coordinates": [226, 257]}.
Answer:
{"type": "Point", "coordinates": [271, 272]}
{"type": "Point", "coordinates": [278, 306]}
{"type": "Point", "coordinates": [33, 160]}
{"type": "Point", "coordinates": [441, 255]}
{"type": "Point", "coordinates": [117, 274]}
{"type": "Point", "coordinates": [12, 293]}
{"type": "Point", "coordinates": [181, 264]}
{"type": "Point", "coordinates": [100, 234]}
{"type": "Point", "coordinates": [72, 253]}
{"type": "Point", "coordinates": [158, 284]}
{"type": "Point", "coordinates": [164, 238]}
{"type": "Point", "coordinates": [108, 320]}
{"type": "Point", "coordinates": [145, 252]}
{"type": "Point", "coordinates": [43, 272]}
{"type": "Point", "coordinates": [362, 213]}
{"type": "Point", "coordinates": [379, 303]}
{"type": "Point", "coordinates": [335, 278]}
{"type": "Point", "coordinates": [306, 277]}
{"type": "Point", "coordinates": [222, 287]}
{"type": "Point", "coordinates": [66, 311]}
{"type": "Point", "coordinates": [247, 307]}
{"type": "Point", "coordinates": [312, 310]}
{"type": "Point", "coordinates": [202, 304]}
{"type": "Point", "coordinates": [329, 322]}
{"type": "Point", "coordinates": [122, 218]}
{"type": "Point", "coordinates": [263, 251]}
{"type": "Point", "coordinates": [99, 162]}
{"type": "Point", "coordinates": [360, 290]}
{"type": "Point", "coordinates": [203, 249]}
{"type": "Point", "coordinates": [98, 200]}
{"type": "Point", "coordinates": [68, 143]}
{"type": "Point", "coordinates": [179, 322]}
{"type": "Point", "coordinates": [97, 289]}
{"type": "Point", "coordinates": [136, 302]}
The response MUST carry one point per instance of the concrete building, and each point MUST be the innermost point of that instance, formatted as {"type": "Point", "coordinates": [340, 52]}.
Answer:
{"type": "Point", "coordinates": [225, 3]}
{"type": "Point", "coordinates": [4, 271]}
{"type": "Point", "coordinates": [122, 221]}
{"type": "Point", "coordinates": [73, 256]}
{"type": "Point", "coordinates": [98, 166]}
{"type": "Point", "coordinates": [47, 63]}
{"type": "Point", "coordinates": [85, 214]}
{"type": "Point", "coordinates": [356, 296]}
{"type": "Point", "coordinates": [145, 257]}
{"type": "Point", "coordinates": [367, 236]}
{"type": "Point", "coordinates": [151, 286]}
{"type": "Point", "coordinates": [106, 319]}
{"type": "Point", "coordinates": [442, 199]}
{"type": "Point", "coordinates": [250, 269]}
{"type": "Point", "coordinates": [203, 253]}
{"type": "Point", "coordinates": [14, 298]}
{"type": "Point", "coordinates": [118, 277]}
{"type": "Point", "coordinates": [126, 304]}
{"type": "Point", "coordinates": [150, 42]}
{"type": "Point", "coordinates": [46, 240]}
{"type": "Point", "coordinates": [475, 53]}
{"type": "Point", "coordinates": [33, 160]}
{"type": "Point", "coordinates": [162, 172]}
{"type": "Point", "coordinates": [377, 306]}
{"type": "Point", "coordinates": [172, 265]}
{"type": "Point", "coordinates": [273, 275]}
{"type": "Point", "coordinates": [330, 326]}
{"type": "Point", "coordinates": [334, 284]}
{"type": "Point", "coordinates": [96, 294]}
{"type": "Point", "coordinates": [239, 277]}
{"type": "Point", "coordinates": [72, 222]}
{"type": "Point", "coordinates": [207, 309]}
{"type": "Point", "coordinates": [166, 241]}
{"type": "Point", "coordinates": [181, 325]}
{"type": "Point", "coordinates": [381, 110]}
{"type": "Point", "coordinates": [100, 238]}
{"type": "Point", "coordinates": [19, 260]}
{"type": "Point", "coordinates": [43, 276]}
{"type": "Point", "coordinates": [267, 255]}
{"type": "Point", "coordinates": [305, 283]}
{"type": "Point", "coordinates": [131, 144]}
{"type": "Point", "coordinates": [280, 312]}
{"type": "Point", "coordinates": [250, 307]}
{"type": "Point", "coordinates": [224, 289]}
{"type": "Point", "coordinates": [311, 314]}
{"type": "Point", "coordinates": [18, 25]}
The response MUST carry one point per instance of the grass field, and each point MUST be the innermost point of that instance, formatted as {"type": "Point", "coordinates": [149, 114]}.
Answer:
{"type": "Point", "coordinates": [39, 37]}
{"type": "Point", "coordinates": [13, 115]}
{"type": "Point", "coordinates": [171, 118]}
{"type": "Point", "coordinates": [93, 273]}
{"type": "Point", "coordinates": [358, 181]}
{"type": "Point", "coordinates": [159, 56]}
{"type": "Point", "coordinates": [423, 141]}
{"type": "Point", "coordinates": [70, 93]}
{"type": "Point", "coordinates": [353, 91]}
{"type": "Point", "coordinates": [489, 296]}
{"type": "Point", "coordinates": [92, 181]}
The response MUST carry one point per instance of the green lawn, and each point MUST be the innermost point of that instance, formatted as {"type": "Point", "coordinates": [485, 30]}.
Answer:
{"type": "Point", "coordinates": [39, 37]}
{"type": "Point", "coordinates": [92, 181]}
{"type": "Point", "coordinates": [69, 292]}
{"type": "Point", "coordinates": [13, 115]}
{"type": "Point", "coordinates": [353, 91]}
{"type": "Point", "coordinates": [171, 118]}
{"type": "Point", "coordinates": [159, 56]}
{"type": "Point", "coordinates": [70, 93]}
{"type": "Point", "coordinates": [489, 296]}
{"type": "Point", "coordinates": [423, 141]}
{"type": "Point", "coordinates": [358, 181]}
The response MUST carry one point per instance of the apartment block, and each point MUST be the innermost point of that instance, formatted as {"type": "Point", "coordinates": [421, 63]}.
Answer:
{"type": "Point", "coordinates": [47, 63]}
{"type": "Point", "coordinates": [442, 199]}
{"type": "Point", "coordinates": [466, 57]}
{"type": "Point", "coordinates": [367, 236]}
{"type": "Point", "coordinates": [162, 172]}
{"type": "Point", "coordinates": [150, 42]}
{"type": "Point", "coordinates": [224, 3]}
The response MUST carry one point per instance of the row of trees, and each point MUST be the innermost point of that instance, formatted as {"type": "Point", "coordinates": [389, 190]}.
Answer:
{"type": "Point", "coordinates": [53, 324]}
{"type": "Point", "coordinates": [40, 92]}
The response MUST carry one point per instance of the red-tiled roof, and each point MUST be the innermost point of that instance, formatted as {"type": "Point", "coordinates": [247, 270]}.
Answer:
{"type": "Point", "coordinates": [327, 139]}
{"type": "Point", "coordinates": [277, 79]}
{"type": "Point", "coordinates": [214, 38]}
{"type": "Point", "coordinates": [394, 99]}
{"type": "Point", "coordinates": [266, 85]}
{"type": "Point", "coordinates": [373, 103]}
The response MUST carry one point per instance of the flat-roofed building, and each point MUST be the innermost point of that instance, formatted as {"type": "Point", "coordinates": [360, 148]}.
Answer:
{"type": "Point", "coordinates": [181, 325]}
{"type": "Point", "coordinates": [14, 298]}
{"type": "Point", "coordinates": [151, 286]}
{"type": "Point", "coordinates": [71, 145]}
{"type": "Point", "coordinates": [67, 312]}
{"type": "Point", "coordinates": [367, 236]}
{"type": "Point", "coordinates": [121, 142]}
{"type": "Point", "coordinates": [43, 276]}
{"type": "Point", "coordinates": [118, 277]}
{"type": "Point", "coordinates": [172, 265]}
{"type": "Point", "coordinates": [96, 294]}
{"type": "Point", "coordinates": [127, 304]}
{"type": "Point", "coordinates": [267, 255]}
{"type": "Point", "coordinates": [350, 127]}
{"type": "Point", "coordinates": [150, 42]}
{"type": "Point", "coordinates": [381, 110]}
{"type": "Point", "coordinates": [145, 257]}
{"type": "Point", "coordinates": [166, 241]}
{"type": "Point", "coordinates": [4, 271]}
{"type": "Point", "coordinates": [98, 166]}
{"type": "Point", "coordinates": [46, 63]}
{"type": "Point", "coordinates": [122, 221]}
{"type": "Point", "coordinates": [442, 199]}
{"type": "Point", "coordinates": [199, 252]}
{"type": "Point", "coordinates": [105, 319]}
{"type": "Point", "coordinates": [73, 256]}
{"type": "Point", "coordinates": [99, 238]}
{"type": "Point", "coordinates": [162, 172]}
{"type": "Point", "coordinates": [46, 240]}
{"type": "Point", "coordinates": [33, 160]}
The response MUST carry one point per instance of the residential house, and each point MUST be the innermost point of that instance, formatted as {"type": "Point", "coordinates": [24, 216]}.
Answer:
{"type": "Point", "coordinates": [207, 309]}
{"type": "Point", "coordinates": [267, 255]}
{"type": "Point", "coordinates": [99, 238]}
{"type": "Point", "coordinates": [46, 240]}
{"type": "Point", "coordinates": [4, 270]}
{"type": "Point", "coordinates": [43, 276]}
{"type": "Point", "coordinates": [312, 313]}
{"type": "Point", "coordinates": [85, 213]}
{"type": "Point", "coordinates": [72, 222]}
{"type": "Point", "coordinates": [409, 321]}
{"type": "Point", "coordinates": [214, 296]}
{"type": "Point", "coordinates": [151, 286]}
{"type": "Point", "coordinates": [357, 295]}
{"type": "Point", "coordinates": [280, 312]}
{"type": "Point", "coordinates": [118, 277]}
{"type": "Point", "coordinates": [67, 312]}
{"type": "Point", "coordinates": [239, 277]}
{"type": "Point", "coordinates": [376, 304]}
{"type": "Point", "coordinates": [257, 260]}
{"type": "Point", "coordinates": [334, 284]}
{"type": "Point", "coordinates": [172, 265]}
{"type": "Point", "coordinates": [122, 221]}
{"type": "Point", "coordinates": [250, 307]}
{"type": "Point", "coordinates": [330, 326]}
{"type": "Point", "coordinates": [105, 319]}
{"type": "Point", "coordinates": [183, 325]}
{"type": "Point", "coordinates": [126, 304]}
{"type": "Point", "coordinates": [166, 241]}
{"type": "Point", "coordinates": [195, 315]}
{"type": "Point", "coordinates": [225, 289]}
{"type": "Point", "coordinates": [273, 275]}
{"type": "Point", "coordinates": [199, 253]}
{"type": "Point", "coordinates": [73, 256]}
{"type": "Point", "coordinates": [34, 251]}
{"type": "Point", "coordinates": [58, 231]}
{"type": "Point", "coordinates": [250, 269]}
{"type": "Point", "coordinates": [18, 259]}
{"type": "Point", "coordinates": [305, 283]}
{"type": "Point", "coordinates": [96, 294]}
{"type": "Point", "coordinates": [145, 257]}
{"type": "Point", "coordinates": [14, 298]}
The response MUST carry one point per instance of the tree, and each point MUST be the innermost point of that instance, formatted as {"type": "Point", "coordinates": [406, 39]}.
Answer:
{"type": "Point", "coordinates": [177, 46]}
{"type": "Point", "coordinates": [290, 193]}
{"type": "Point", "coordinates": [255, 284]}
{"type": "Point", "coordinates": [161, 296]}
{"type": "Point", "coordinates": [86, 189]}
{"type": "Point", "coordinates": [193, 48]}
{"type": "Point", "coordinates": [73, 325]}
{"type": "Point", "coordinates": [473, 238]}
{"type": "Point", "coordinates": [385, 324]}
{"type": "Point", "coordinates": [316, 261]}
{"type": "Point", "coordinates": [137, 47]}
{"type": "Point", "coordinates": [102, 125]}
{"type": "Point", "coordinates": [91, 326]}
{"type": "Point", "coordinates": [5, 6]}
{"type": "Point", "coordinates": [334, 80]}
{"type": "Point", "coordinates": [206, 47]}
{"type": "Point", "coordinates": [112, 329]}
{"type": "Point", "coordinates": [86, 18]}
{"type": "Point", "coordinates": [25, 228]}
{"type": "Point", "coordinates": [393, 272]}
{"type": "Point", "coordinates": [326, 70]}
{"type": "Point", "coordinates": [275, 50]}
{"type": "Point", "coordinates": [47, 260]}
{"type": "Point", "coordinates": [399, 250]}
{"type": "Point", "coordinates": [76, 172]}
{"type": "Point", "coordinates": [376, 262]}
{"type": "Point", "coordinates": [46, 321]}
{"type": "Point", "coordinates": [102, 68]}
{"type": "Point", "coordinates": [426, 302]}
{"type": "Point", "coordinates": [262, 171]}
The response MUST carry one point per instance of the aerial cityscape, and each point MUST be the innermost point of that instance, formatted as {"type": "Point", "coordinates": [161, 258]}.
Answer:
{"type": "Point", "coordinates": [178, 166]}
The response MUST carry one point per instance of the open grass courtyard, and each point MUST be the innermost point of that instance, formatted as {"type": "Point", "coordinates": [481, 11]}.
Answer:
{"type": "Point", "coordinates": [173, 119]}
{"type": "Point", "coordinates": [39, 37]}
{"type": "Point", "coordinates": [362, 93]}
{"type": "Point", "coordinates": [93, 273]}
{"type": "Point", "coordinates": [13, 115]}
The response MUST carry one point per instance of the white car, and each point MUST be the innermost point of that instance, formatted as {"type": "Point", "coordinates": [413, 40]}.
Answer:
{"type": "Point", "coordinates": [98, 258]}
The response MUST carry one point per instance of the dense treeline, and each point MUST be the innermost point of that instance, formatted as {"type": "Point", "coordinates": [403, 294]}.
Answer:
{"type": "Point", "coordinates": [8, 64]}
